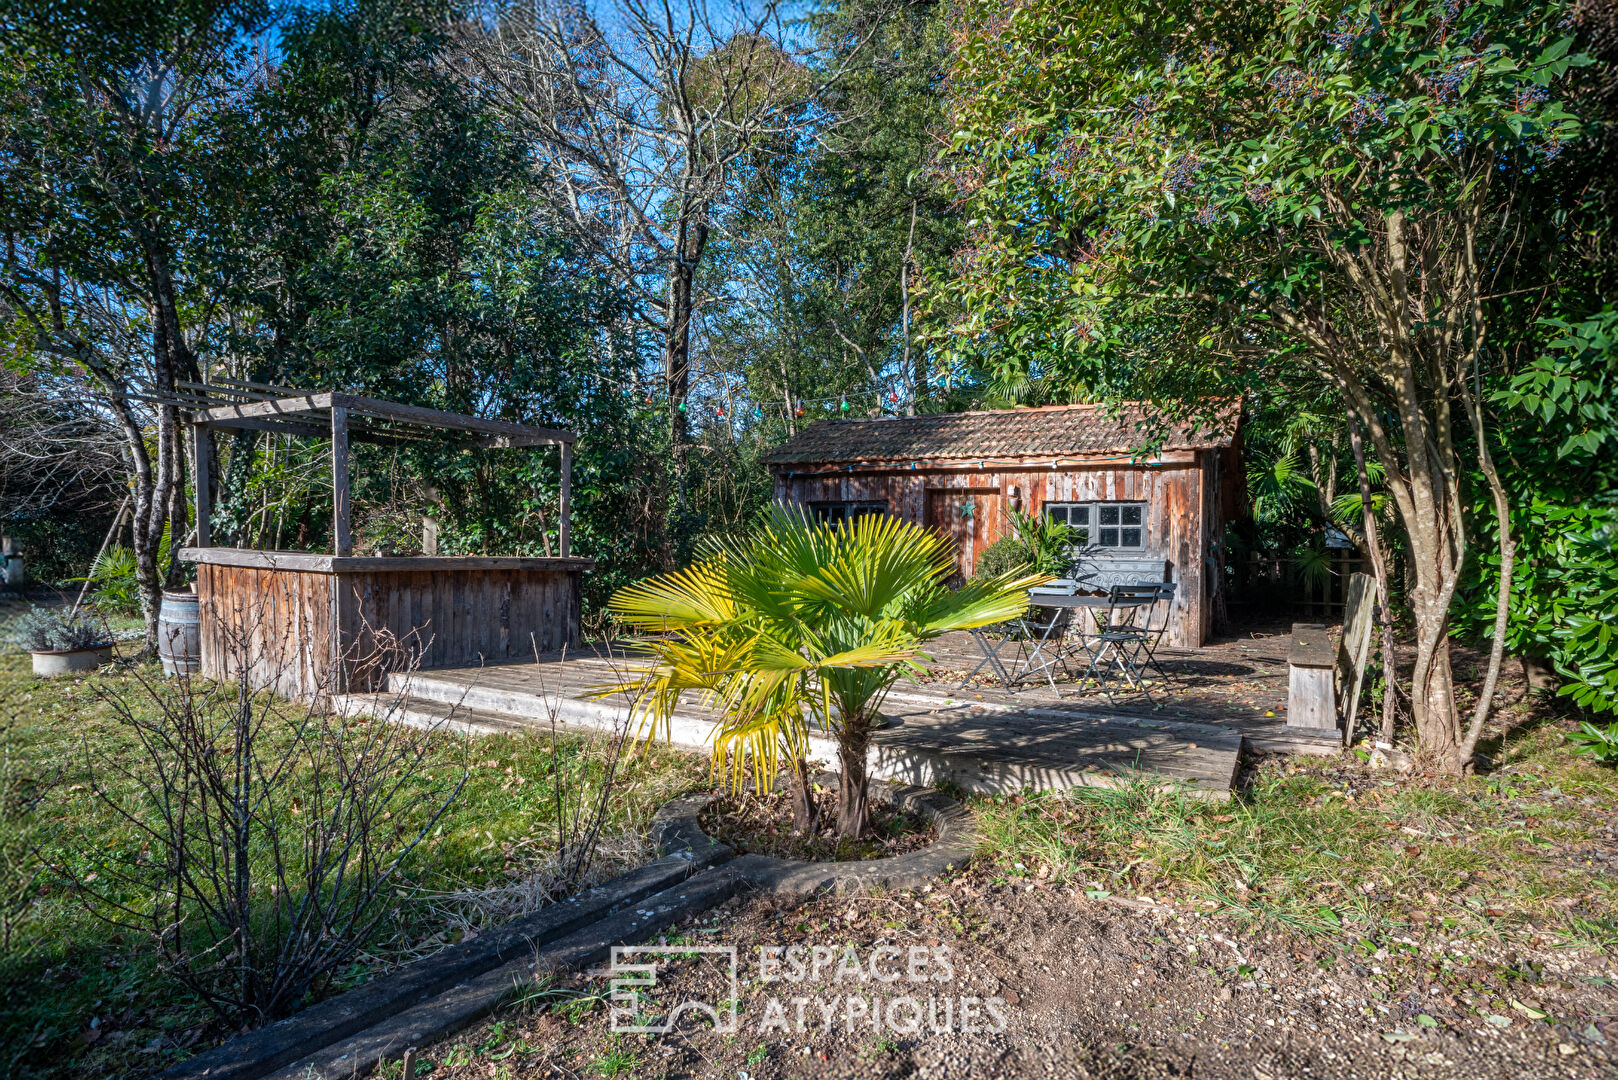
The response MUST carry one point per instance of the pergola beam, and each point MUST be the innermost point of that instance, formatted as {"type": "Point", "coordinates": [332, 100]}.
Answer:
{"type": "Point", "coordinates": [522, 434]}
{"type": "Point", "coordinates": [303, 413]}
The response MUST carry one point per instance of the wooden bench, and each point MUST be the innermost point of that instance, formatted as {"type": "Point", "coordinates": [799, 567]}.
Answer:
{"type": "Point", "coordinates": [1311, 679]}
{"type": "Point", "coordinates": [1323, 682]}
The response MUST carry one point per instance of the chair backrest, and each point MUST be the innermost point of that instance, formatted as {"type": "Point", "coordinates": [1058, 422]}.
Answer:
{"type": "Point", "coordinates": [1158, 621]}
{"type": "Point", "coordinates": [1145, 591]}
{"type": "Point", "coordinates": [1124, 604]}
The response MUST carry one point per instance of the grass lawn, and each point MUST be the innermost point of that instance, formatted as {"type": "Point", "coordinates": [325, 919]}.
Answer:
{"type": "Point", "coordinates": [78, 998]}
{"type": "Point", "coordinates": [1324, 846]}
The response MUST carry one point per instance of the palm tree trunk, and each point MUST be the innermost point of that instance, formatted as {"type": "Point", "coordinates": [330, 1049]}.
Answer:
{"type": "Point", "coordinates": [803, 798]}
{"type": "Point", "coordinates": [853, 813]}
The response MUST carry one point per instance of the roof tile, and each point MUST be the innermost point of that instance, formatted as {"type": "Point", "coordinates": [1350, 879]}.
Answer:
{"type": "Point", "coordinates": [1051, 431]}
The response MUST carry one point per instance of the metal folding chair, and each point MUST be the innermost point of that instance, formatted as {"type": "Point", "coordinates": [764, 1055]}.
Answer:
{"type": "Point", "coordinates": [1010, 633]}
{"type": "Point", "coordinates": [1157, 623]}
{"type": "Point", "coordinates": [1114, 650]}
{"type": "Point", "coordinates": [1044, 630]}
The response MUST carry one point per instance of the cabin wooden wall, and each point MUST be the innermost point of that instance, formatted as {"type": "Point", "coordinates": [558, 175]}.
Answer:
{"type": "Point", "coordinates": [291, 626]}
{"type": "Point", "coordinates": [1183, 500]}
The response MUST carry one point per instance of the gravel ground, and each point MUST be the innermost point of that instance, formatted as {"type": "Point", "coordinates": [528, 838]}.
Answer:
{"type": "Point", "coordinates": [1086, 988]}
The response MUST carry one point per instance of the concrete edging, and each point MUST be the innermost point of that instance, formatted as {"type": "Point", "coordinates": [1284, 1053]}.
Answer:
{"type": "Point", "coordinates": [676, 829]}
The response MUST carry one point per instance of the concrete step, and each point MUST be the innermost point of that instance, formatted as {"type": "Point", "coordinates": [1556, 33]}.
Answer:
{"type": "Point", "coordinates": [429, 715]}
{"type": "Point", "coordinates": [454, 703]}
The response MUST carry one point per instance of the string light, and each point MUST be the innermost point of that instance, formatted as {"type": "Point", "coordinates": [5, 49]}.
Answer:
{"type": "Point", "coordinates": [800, 407]}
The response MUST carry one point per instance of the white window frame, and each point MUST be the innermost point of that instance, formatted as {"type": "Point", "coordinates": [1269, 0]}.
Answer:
{"type": "Point", "coordinates": [1093, 524]}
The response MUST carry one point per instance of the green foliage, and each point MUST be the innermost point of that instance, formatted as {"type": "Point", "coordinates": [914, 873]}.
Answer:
{"type": "Point", "coordinates": [1598, 743]}
{"type": "Point", "coordinates": [112, 579]}
{"type": "Point", "coordinates": [1158, 182]}
{"type": "Point", "coordinates": [113, 589]}
{"type": "Point", "coordinates": [1561, 434]}
{"type": "Point", "coordinates": [55, 629]}
{"type": "Point", "coordinates": [1036, 544]}
{"type": "Point", "coordinates": [832, 237]}
{"type": "Point", "coordinates": [1277, 486]}
{"type": "Point", "coordinates": [1001, 557]}
{"type": "Point", "coordinates": [801, 619]}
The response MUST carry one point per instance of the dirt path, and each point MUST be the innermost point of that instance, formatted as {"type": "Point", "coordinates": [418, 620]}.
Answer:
{"type": "Point", "coordinates": [1086, 988]}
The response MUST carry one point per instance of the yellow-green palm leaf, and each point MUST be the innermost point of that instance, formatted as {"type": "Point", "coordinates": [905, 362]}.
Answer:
{"type": "Point", "coordinates": [800, 625]}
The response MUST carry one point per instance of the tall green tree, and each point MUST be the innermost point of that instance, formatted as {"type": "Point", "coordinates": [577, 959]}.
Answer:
{"type": "Point", "coordinates": [832, 239]}
{"type": "Point", "coordinates": [1163, 197]}
{"type": "Point", "coordinates": [123, 147]}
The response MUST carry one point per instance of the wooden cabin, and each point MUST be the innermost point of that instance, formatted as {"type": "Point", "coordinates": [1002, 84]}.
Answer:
{"type": "Point", "coordinates": [1158, 517]}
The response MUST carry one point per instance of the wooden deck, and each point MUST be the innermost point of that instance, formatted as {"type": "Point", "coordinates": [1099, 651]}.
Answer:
{"type": "Point", "coordinates": [982, 738]}
{"type": "Point", "coordinates": [1237, 683]}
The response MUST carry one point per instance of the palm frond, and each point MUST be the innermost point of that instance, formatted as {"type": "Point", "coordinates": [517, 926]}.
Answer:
{"type": "Point", "coordinates": [696, 596]}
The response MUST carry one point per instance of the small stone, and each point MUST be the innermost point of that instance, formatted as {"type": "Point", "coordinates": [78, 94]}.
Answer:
{"type": "Point", "coordinates": [1567, 1048]}
{"type": "Point", "coordinates": [1011, 996]}
{"type": "Point", "coordinates": [1224, 994]}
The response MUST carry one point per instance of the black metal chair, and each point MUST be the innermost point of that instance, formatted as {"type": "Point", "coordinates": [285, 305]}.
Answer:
{"type": "Point", "coordinates": [1044, 632]}
{"type": "Point", "coordinates": [1156, 625]}
{"type": "Point", "coordinates": [1114, 651]}
{"type": "Point", "coordinates": [990, 640]}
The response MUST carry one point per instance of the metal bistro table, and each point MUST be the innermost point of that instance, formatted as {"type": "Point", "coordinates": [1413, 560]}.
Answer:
{"type": "Point", "coordinates": [1072, 601]}
{"type": "Point", "coordinates": [1037, 637]}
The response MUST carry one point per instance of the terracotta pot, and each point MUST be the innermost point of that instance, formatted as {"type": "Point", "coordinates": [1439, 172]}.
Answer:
{"type": "Point", "coordinates": [72, 661]}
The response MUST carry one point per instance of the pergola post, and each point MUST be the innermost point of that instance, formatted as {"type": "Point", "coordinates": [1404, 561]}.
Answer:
{"type": "Point", "coordinates": [567, 498]}
{"type": "Point", "coordinates": [342, 544]}
{"type": "Point", "coordinates": [201, 452]}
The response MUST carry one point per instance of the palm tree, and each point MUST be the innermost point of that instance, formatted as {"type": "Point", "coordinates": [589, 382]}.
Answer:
{"type": "Point", "coordinates": [802, 623]}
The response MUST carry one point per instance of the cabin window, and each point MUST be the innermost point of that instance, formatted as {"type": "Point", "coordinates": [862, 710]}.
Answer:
{"type": "Point", "coordinates": [834, 512]}
{"type": "Point", "coordinates": [1114, 525]}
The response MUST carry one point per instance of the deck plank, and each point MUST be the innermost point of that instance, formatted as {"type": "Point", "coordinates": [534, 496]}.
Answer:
{"type": "Point", "coordinates": [986, 741]}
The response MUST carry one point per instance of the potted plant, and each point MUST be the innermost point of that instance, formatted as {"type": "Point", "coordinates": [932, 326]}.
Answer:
{"type": "Point", "coordinates": [62, 642]}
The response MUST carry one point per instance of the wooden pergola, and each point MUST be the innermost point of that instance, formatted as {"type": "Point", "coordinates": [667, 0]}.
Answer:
{"type": "Point", "coordinates": [342, 417]}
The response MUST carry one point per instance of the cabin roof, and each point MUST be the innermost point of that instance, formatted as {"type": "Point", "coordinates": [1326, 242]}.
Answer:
{"type": "Point", "coordinates": [1072, 431]}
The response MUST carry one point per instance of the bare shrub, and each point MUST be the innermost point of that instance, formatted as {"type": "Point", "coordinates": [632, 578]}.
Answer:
{"type": "Point", "coordinates": [274, 832]}
{"type": "Point", "coordinates": [22, 872]}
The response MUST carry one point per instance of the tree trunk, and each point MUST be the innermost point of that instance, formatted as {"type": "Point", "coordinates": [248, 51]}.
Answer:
{"type": "Point", "coordinates": [1432, 687]}
{"type": "Point", "coordinates": [803, 798]}
{"type": "Point", "coordinates": [1379, 567]}
{"type": "Point", "coordinates": [853, 814]}
{"type": "Point", "coordinates": [1508, 560]}
{"type": "Point", "coordinates": [692, 238]}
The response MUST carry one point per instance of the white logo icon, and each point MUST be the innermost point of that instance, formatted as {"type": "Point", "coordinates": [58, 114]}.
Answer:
{"type": "Point", "coordinates": [626, 998]}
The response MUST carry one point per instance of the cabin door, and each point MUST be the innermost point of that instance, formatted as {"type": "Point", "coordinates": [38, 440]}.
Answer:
{"type": "Point", "coordinates": [970, 517]}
